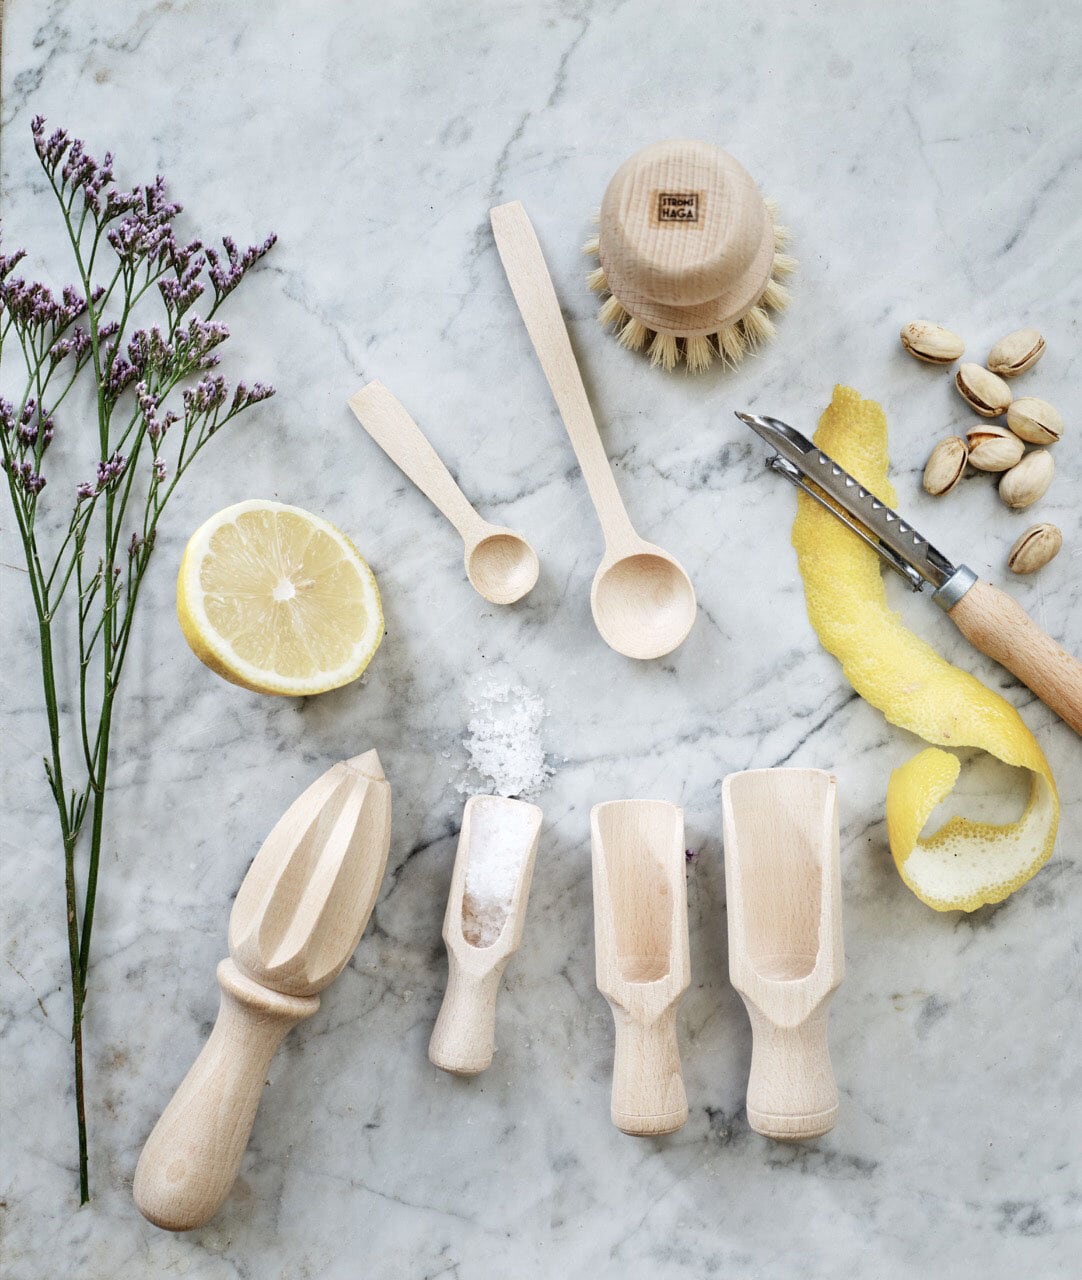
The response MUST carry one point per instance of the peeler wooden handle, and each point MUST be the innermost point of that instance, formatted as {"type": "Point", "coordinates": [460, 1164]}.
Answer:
{"type": "Point", "coordinates": [464, 1037]}
{"type": "Point", "coordinates": [997, 624]}
{"type": "Point", "coordinates": [791, 1089]}
{"type": "Point", "coordinates": [191, 1158]}
{"type": "Point", "coordinates": [648, 1096]}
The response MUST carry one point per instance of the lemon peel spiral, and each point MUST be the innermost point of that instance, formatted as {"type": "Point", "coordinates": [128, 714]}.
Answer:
{"type": "Point", "coordinates": [965, 864]}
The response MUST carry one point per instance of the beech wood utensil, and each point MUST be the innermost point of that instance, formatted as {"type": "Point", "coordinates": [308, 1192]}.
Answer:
{"type": "Point", "coordinates": [786, 956]}
{"type": "Point", "coordinates": [643, 959]}
{"type": "Point", "coordinates": [642, 600]}
{"type": "Point", "coordinates": [463, 1039]}
{"type": "Point", "coordinates": [296, 921]}
{"type": "Point", "coordinates": [500, 564]}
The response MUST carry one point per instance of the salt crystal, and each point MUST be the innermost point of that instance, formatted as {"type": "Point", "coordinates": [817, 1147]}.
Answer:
{"type": "Point", "coordinates": [501, 832]}
{"type": "Point", "coordinates": [503, 742]}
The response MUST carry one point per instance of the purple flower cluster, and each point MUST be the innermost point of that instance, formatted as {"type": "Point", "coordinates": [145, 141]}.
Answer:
{"type": "Point", "coordinates": [149, 404]}
{"type": "Point", "coordinates": [25, 476]}
{"type": "Point", "coordinates": [226, 275]}
{"type": "Point", "coordinates": [110, 472]}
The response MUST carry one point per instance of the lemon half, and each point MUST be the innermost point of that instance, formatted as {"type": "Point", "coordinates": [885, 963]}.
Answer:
{"type": "Point", "coordinates": [277, 600]}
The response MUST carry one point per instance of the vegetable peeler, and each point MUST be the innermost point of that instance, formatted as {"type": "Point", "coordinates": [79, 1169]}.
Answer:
{"type": "Point", "coordinates": [988, 618]}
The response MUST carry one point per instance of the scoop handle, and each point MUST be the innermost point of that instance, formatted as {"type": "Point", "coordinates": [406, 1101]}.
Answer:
{"type": "Point", "coordinates": [190, 1160]}
{"type": "Point", "coordinates": [648, 1096]}
{"type": "Point", "coordinates": [997, 625]}
{"type": "Point", "coordinates": [791, 1089]}
{"type": "Point", "coordinates": [528, 276]}
{"type": "Point", "coordinates": [464, 1037]}
{"type": "Point", "coordinates": [402, 440]}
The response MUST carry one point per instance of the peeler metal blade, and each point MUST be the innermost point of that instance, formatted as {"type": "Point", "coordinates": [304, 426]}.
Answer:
{"type": "Point", "coordinates": [895, 540]}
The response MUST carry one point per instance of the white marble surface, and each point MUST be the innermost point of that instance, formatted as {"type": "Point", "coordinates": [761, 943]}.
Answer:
{"type": "Point", "coordinates": [926, 157]}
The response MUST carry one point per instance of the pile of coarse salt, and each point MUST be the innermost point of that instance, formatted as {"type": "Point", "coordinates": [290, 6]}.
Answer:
{"type": "Point", "coordinates": [501, 832]}
{"type": "Point", "coordinates": [503, 742]}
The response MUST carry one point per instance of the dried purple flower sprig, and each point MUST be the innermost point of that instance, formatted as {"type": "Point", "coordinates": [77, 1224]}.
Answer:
{"type": "Point", "coordinates": [159, 402]}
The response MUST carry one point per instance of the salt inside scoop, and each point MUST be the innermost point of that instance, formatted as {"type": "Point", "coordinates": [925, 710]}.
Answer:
{"type": "Point", "coordinates": [501, 832]}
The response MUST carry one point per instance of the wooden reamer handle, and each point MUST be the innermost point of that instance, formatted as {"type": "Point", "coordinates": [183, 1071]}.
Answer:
{"type": "Point", "coordinates": [648, 1096]}
{"type": "Point", "coordinates": [191, 1158]}
{"type": "Point", "coordinates": [998, 626]}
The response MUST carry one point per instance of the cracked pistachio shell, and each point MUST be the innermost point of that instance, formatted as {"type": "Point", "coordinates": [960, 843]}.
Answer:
{"type": "Point", "coordinates": [946, 466]}
{"type": "Point", "coordinates": [1027, 481]}
{"type": "Point", "coordinates": [931, 342]}
{"type": "Point", "coordinates": [1016, 353]}
{"type": "Point", "coordinates": [1034, 548]}
{"type": "Point", "coordinates": [993, 448]}
{"type": "Point", "coordinates": [1035, 420]}
{"type": "Point", "coordinates": [982, 390]}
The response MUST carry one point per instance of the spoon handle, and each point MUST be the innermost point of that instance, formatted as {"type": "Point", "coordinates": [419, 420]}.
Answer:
{"type": "Point", "coordinates": [403, 441]}
{"type": "Point", "coordinates": [464, 1037]}
{"type": "Point", "coordinates": [190, 1160]}
{"type": "Point", "coordinates": [648, 1096]}
{"type": "Point", "coordinates": [532, 286]}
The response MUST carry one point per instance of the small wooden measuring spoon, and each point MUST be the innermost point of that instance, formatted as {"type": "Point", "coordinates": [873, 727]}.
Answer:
{"type": "Point", "coordinates": [786, 956]}
{"type": "Point", "coordinates": [643, 958]}
{"type": "Point", "coordinates": [642, 600]}
{"type": "Point", "coordinates": [501, 836]}
{"type": "Point", "coordinates": [500, 564]}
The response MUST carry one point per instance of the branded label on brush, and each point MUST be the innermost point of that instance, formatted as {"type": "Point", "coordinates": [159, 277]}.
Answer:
{"type": "Point", "coordinates": [678, 206]}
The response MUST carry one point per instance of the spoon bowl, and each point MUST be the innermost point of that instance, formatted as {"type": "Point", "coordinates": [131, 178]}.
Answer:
{"type": "Point", "coordinates": [643, 603]}
{"type": "Point", "coordinates": [502, 566]}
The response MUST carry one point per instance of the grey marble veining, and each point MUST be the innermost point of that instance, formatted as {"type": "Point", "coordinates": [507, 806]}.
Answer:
{"type": "Point", "coordinates": [926, 157]}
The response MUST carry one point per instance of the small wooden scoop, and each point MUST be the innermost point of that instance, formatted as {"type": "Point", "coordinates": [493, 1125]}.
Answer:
{"type": "Point", "coordinates": [500, 564]}
{"type": "Point", "coordinates": [783, 886]}
{"type": "Point", "coordinates": [482, 927]}
{"type": "Point", "coordinates": [643, 960]}
{"type": "Point", "coordinates": [295, 923]}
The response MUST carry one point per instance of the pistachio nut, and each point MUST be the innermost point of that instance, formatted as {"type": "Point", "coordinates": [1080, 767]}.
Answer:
{"type": "Point", "coordinates": [1034, 548]}
{"type": "Point", "coordinates": [1016, 353]}
{"type": "Point", "coordinates": [982, 390]}
{"type": "Point", "coordinates": [931, 342]}
{"type": "Point", "coordinates": [1035, 420]}
{"type": "Point", "coordinates": [946, 466]}
{"type": "Point", "coordinates": [1027, 481]}
{"type": "Point", "coordinates": [993, 448]}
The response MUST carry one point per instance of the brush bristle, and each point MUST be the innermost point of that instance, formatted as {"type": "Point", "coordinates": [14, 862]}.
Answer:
{"type": "Point", "coordinates": [784, 265]}
{"type": "Point", "coordinates": [775, 296]}
{"type": "Point", "coordinates": [699, 354]}
{"type": "Point", "coordinates": [731, 344]}
{"type": "Point", "coordinates": [595, 280]}
{"type": "Point", "coordinates": [592, 247]}
{"type": "Point", "coordinates": [758, 327]}
{"type": "Point", "coordinates": [781, 236]}
{"type": "Point", "coordinates": [664, 351]}
{"type": "Point", "coordinates": [772, 206]}
{"type": "Point", "coordinates": [634, 335]}
{"type": "Point", "coordinates": [612, 314]}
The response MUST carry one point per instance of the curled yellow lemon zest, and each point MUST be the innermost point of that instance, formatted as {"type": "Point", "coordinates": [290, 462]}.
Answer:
{"type": "Point", "coordinates": [965, 864]}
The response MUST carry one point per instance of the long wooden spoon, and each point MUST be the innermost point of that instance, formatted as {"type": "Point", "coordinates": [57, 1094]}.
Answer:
{"type": "Point", "coordinates": [642, 600]}
{"type": "Point", "coordinates": [500, 564]}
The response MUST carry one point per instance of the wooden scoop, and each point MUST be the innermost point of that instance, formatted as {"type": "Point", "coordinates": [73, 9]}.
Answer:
{"type": "Point", "coordinates": [482, 928]}
{"type": "Point", "coordinates": [643, 960]}
{"type": "Point", "coordinates": [295, 923]}
{"type": "Point", "coordinates": [783, 887]}
{"type": "Point", "coordinates": [500, 564]}
{"type": "Point", "coordinates": [642, 600]}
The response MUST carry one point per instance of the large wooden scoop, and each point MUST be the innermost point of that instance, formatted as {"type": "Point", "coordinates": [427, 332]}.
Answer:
{"type": "Point", "coordinates": [296, 921]}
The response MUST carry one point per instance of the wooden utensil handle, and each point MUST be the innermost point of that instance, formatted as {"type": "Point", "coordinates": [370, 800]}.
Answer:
{"type": "Point", "coordinates": [528, 276]}
{"type": "Point", "coordinates": [464, 1037]}
{"type": "Point", "coordinates": [648, 1095]}
{"type": "Point", "coordinates": [402, 440]}
{"type": "Point", "coordinates": [191, 1158]}
{"type": "Point", "coordinates": [998, 625]}
{"type": "Point", "coordinates": [791, 1089]}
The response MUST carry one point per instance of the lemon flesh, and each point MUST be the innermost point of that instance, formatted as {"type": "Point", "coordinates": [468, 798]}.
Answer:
{"type": "Point", "coordinates": [965, 864]}
{"type": "Point", "coordinates": [277, 600]}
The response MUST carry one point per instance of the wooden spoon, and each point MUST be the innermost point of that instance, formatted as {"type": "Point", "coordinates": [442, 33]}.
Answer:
{"type": "Point", "coordinates": [642, 600]}
{"type": "Point", "coordinates": [296, 921]}
{"type": "Point", "coordinates": [500, 564]}
{"type": "Point", "coordinates": [643, 959]}
{"type": "Point", "coordinates": [463, 1039]}
{"type": "Point", "coordinates": [786, 957]}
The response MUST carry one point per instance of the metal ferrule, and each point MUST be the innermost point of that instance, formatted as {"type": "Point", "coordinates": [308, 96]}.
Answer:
{"type": "Point", "coordinates": [948, 595]}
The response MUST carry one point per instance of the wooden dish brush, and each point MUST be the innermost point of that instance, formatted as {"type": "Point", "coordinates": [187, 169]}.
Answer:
{"type": "Point", "coordinates": [691, 257]}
